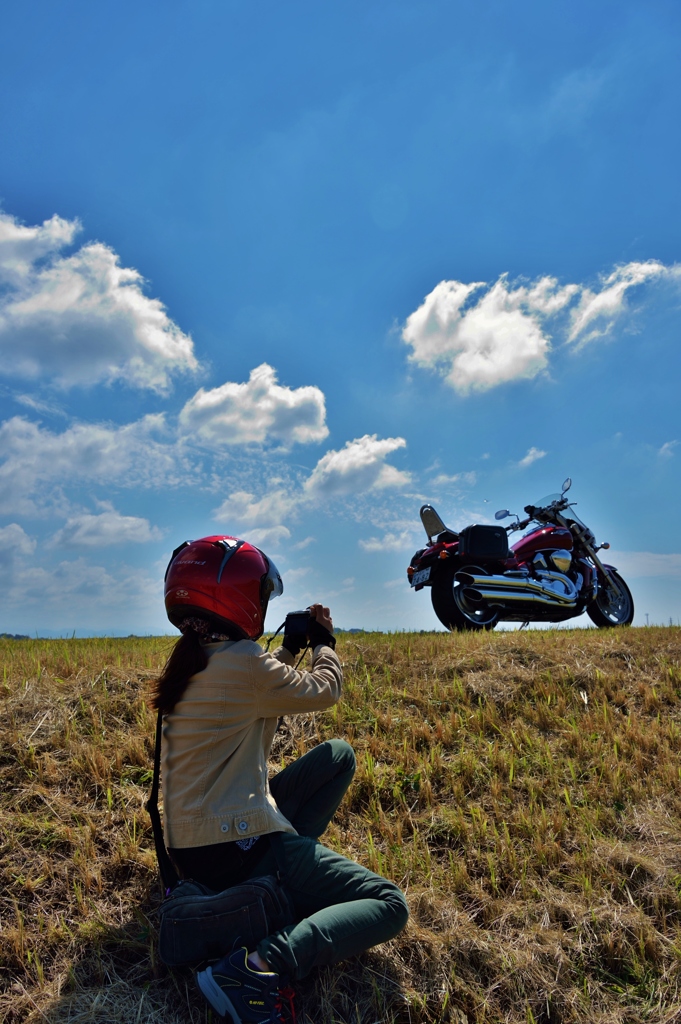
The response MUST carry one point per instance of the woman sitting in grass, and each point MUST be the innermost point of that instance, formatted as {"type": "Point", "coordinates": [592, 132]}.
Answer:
{"type": "Point", "coordinates": [221, 696]}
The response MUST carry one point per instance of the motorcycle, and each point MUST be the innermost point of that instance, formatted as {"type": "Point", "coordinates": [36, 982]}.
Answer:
{"type": "Point", "coordinates": [551, 574]}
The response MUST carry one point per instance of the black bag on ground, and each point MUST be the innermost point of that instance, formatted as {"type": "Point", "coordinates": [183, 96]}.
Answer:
{"type": "Point", "coordinates": [198, 924]}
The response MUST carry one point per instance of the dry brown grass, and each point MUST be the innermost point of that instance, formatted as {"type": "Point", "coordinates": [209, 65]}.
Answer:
{"type": "Point", "coordinates": [522, 788]}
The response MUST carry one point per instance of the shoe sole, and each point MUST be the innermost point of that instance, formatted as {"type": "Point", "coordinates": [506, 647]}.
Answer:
{"type": "Point", "coordinates": [209, 988]}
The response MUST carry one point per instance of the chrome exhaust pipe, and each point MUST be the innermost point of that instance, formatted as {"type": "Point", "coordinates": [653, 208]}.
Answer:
{"type": "Point", "coordinates": [468, 579]}
{"type": "Point", "coordinates": [518, 589]}
{"type": "Point", "coordinates": [508, 596]}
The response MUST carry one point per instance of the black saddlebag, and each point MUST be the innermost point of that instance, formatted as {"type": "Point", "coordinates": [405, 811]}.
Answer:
{"type": "Point", "coordinates": [484, 543]}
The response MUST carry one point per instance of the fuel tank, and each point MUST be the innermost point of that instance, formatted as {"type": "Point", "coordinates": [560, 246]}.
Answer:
{"type": "Point", "coordinates": [546, 538]}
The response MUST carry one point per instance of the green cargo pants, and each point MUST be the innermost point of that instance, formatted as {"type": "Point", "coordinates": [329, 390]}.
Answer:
{"type": "Point", "coordinates": [341, 908]}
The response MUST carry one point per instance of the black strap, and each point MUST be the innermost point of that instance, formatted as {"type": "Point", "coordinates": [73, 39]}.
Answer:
{"type": "Point", "coordinates": [169, 875]}
{"type": "Point", "coordinates": [276, 845]}
{"type": "Point", "coordinates": [276, 633]}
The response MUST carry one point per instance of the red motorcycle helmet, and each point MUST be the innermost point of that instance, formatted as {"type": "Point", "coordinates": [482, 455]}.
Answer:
{"type": "Point", "coordinates": [223, 580]}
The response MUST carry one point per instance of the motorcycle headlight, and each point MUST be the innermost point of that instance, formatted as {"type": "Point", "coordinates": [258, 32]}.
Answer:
{"type": "Point", "coordinates": [561, 559]}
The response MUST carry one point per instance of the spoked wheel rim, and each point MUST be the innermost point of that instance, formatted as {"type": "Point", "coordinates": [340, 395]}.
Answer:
{"type": "Point", "coordinates": [614, 604]}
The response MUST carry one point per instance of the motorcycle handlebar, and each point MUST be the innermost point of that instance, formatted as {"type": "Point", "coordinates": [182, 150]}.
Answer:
{"type": "Point", "coordinates": [520, 525]}
{"type": "Point", "coordinates": [533, 511]}
{"type": "Point", "coordinates": [556, 506]}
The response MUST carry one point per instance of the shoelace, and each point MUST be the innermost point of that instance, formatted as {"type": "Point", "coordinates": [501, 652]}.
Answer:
{"type": "Point", "coordinates": [289, 994]}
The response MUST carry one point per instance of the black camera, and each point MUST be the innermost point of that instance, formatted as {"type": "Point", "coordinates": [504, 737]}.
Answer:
{"type": "Point", "coordinates": [298, 623]}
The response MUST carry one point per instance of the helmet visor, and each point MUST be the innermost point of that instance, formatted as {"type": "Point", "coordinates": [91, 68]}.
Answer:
{"type": "Point", "coordinates": [273, 585]}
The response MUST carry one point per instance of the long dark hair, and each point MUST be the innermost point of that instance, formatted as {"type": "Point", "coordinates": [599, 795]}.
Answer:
{"type": "Point", "coordinates": [187, 657]}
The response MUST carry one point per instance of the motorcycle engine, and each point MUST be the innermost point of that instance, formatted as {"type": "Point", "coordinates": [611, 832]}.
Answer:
{"type": "Point", "coordinates": [560, 559]}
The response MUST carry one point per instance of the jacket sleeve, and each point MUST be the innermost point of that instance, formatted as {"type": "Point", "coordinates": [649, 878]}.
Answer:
{"type": "Point", "coordinates": [281, 690]}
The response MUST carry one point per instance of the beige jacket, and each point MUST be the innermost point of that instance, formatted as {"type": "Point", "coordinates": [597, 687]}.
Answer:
{"type": "Point", "coordinates": [217, 739]}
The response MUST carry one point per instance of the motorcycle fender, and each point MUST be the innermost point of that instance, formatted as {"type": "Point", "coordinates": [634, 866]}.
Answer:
{"type": "Point", "coordinates": [608, 568]}
{"type": "Point", "coordinates": [433, 556]}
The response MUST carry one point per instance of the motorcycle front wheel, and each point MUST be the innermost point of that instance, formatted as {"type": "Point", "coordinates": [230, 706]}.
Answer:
{"type": "Point", "coordinates": [610, 608]}
{"type": "Point", "coordinates": [451, 607]}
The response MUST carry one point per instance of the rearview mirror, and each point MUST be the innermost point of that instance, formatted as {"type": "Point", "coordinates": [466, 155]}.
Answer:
{"type": "Point", "coordinates": [503, 513]}
{"type": "Point", "coordinates": [567, 484]}
{"type": "Point", "coordinates": [432, 523]}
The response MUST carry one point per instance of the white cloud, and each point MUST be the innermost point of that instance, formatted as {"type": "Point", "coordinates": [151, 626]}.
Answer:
{"type": "Point", "coordinates": [359, 466]}
{"type": "Point", "coordinates": [571, 101]}
{"type": "Point", "coordinates": [431, 329]}
{"type": "Point", "coordinates": [667, 449]}
{"type": "Point", "coordinates": [637, 564]}
{"type": "Point", "coordinates": [498, 338]}
{"type": "Point", "coordinates": [532, 455]}
{"type": "Point", "coordinates": [83, 318]}
{"type": "Point", "coordinates": [268, 536]}
{"type": "Point", "coordinates": [71, 587]}
{"type": "Point", "coordinates": [255, 412]}
{"type": "Point", "coordinates": [305, 543]}
{"type": "Point", "coordinates": [38, 463]}
{"type": "Point", "coordinates": [443, 480]}
{"type": "Point", "coordinates": [603, 307]}
{"type": "Point", "coordinates": [244, 507]}
{"type": "Point", "coordinates": [14, 544]}
{"type": "Point", "coordinates": [388, 542]}
{"type": "Point", "coordinates": [297, 574]}
{"type": "Point", "coordinates": [105, 529]}
{"type": "Point", "coordinates": [39, 405]}
{"type": "Point", "coordinates": [21, 247]}
{"type": "Point", "coordinates": [79, 586]}
{"type": "Point", "coordinates": [257, 520]}
{"type": "Point", "coordinates": [479, 336]}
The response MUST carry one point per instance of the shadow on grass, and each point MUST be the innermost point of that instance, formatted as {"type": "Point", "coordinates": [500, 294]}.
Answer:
{"type": "Point", "coordinates": [117, 978]}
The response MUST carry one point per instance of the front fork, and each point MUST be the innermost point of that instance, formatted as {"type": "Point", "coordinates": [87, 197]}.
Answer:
{"type": "Point", "coordinates": [610, 582]}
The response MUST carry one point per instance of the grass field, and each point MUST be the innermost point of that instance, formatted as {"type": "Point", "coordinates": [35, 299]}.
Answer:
{"type": "Point", "coordinates": [523, 788]}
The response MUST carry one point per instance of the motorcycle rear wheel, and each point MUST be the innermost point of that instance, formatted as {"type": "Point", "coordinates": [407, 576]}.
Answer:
{"type": "Point", "coordinates": [609, 609]}
{"type": "Point", "coordinates": [451, 607]}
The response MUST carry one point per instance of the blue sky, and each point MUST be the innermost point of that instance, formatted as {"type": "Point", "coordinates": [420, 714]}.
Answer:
{"type": "Point", "coordinates": [287, 271]}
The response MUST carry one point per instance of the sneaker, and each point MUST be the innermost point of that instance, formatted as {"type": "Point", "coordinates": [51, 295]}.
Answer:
{"type": "Point", "coordinates": [234, 989]}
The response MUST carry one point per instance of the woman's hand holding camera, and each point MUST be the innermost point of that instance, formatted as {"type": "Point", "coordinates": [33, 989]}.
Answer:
{"type": "Point", "coordinates": [318, 630]}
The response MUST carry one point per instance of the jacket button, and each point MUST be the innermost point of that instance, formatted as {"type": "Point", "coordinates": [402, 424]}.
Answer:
{"type": "Point", "coordinates": [243, 825]}
{"type": "Point", "coordinates": [224, 828]}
